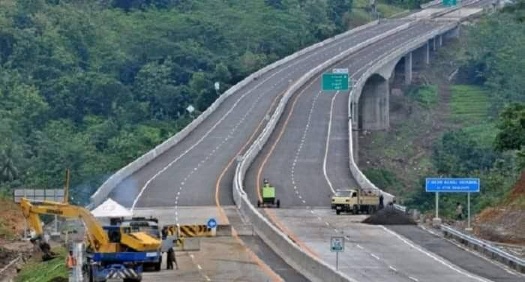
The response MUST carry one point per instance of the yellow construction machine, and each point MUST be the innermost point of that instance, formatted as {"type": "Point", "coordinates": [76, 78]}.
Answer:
{"type": "Point", "coordinates": [111, 250]}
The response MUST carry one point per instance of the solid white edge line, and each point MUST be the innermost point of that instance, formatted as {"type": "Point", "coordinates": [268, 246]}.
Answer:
{"type": "Point", "coordinates": [327, 146]}
{"type": "Point", "coordinates": [435, 257]}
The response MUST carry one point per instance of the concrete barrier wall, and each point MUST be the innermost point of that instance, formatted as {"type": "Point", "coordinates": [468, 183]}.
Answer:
{"type": "Point", "coordinates": [223, 230]}
{"type": "Point", "coordinates": [358, 175]}
{"type": "Point", "coordinates": [188, 244]}
{"type": "Point", "coordinates": [105, 189]}
{"type": "Point", "coordinates": [311, 267]}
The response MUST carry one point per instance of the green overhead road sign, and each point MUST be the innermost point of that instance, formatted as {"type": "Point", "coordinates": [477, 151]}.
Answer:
{"type": "Point", "coordinates": [335, 81]}
{"type": "Point", "coordinates": [449, 3]}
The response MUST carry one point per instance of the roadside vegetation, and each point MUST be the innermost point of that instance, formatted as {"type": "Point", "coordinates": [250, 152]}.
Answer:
{"type": "Point", "coordinates": [92, 85]}
{"type": "Point", "coordinates": [472, 128]}
{"type": "Point", "coordinates": [49, 271]}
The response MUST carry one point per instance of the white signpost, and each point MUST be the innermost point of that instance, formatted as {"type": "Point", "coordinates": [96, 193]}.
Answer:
{"type": "Point", "coordinates": [337, 244]}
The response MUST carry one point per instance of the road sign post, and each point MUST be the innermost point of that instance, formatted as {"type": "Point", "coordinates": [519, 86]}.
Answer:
{"type": "Point", "coordinates": [212, 224]}
{"type": "Point", "coordinates": [337, 244]}
{"type": "Point", "coordinates": [452, 185]}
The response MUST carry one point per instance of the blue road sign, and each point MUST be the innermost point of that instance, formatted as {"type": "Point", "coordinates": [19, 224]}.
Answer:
{"type": "Point", "coordinates": [212, 223]}
{"type": "Point", "coordinates": [459, 185]}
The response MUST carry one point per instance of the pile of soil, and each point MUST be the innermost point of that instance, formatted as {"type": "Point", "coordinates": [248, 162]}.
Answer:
{"type": "Point", "coordinates": [505, 223]}
{"type": "Point", "coordinates": [389, 216]}
{"type": "Point", "coordinates": [10, 251]}
{"type": "Point", "coordinates": [6, 256]}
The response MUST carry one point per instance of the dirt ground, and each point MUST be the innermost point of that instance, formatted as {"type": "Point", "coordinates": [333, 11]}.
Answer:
{"type": "Point", "coordinates": [505, 223]}
{"type": "Point", "coordinates": [11, 245]}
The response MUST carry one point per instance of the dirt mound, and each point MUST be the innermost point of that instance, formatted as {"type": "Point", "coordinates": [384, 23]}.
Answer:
{"type": "Point", "coordinates": [11, 220]}
{"type": "Point", "coordinates": [506, 222]}
{"type": "Point", "coordinates": [519, 188]}
{"type": "Point", "coordinates": [389, 216]}
{"type": "Point", "coordinates": [505, 225]}
{"type": "Point", "coordinates": [12, 250]}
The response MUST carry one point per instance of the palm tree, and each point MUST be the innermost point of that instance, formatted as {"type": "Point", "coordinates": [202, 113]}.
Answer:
{"type": "Point", "coordinates": [8, 171]}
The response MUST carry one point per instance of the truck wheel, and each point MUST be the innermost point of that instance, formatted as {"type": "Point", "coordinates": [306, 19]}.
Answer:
{"type": "Point", "coordinates": [258, 204]}
{"type": "Point", "coordinates": [158, 265]}
{"type": "Point", "coordinates": [278, 204]}
{"type": "Point", "coordinates": [355, 210]}
{"type": "Point", "coordinates": [338, 212]}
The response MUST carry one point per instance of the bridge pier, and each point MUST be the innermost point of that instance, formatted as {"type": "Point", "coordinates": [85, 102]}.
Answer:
{"type": "Point", "coordinates": [374, 104]}
{"type": "Point", "coordinates": [434, 48]}
{"type": "Point", "coordinates": [408, 68]}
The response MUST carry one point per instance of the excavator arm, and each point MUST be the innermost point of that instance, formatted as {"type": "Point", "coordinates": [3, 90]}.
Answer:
{"type": "Point", "coordinates": [97, 236]}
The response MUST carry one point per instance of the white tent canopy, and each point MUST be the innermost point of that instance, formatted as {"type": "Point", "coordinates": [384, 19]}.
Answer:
{"type": "Point", "coordinates": [111, 208]}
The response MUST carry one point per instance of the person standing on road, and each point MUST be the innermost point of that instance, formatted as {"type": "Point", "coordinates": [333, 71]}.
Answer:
{"type": "Point", "coordinates": [170, 259]}
{"type": "Point", "coordinates": [459, 211]}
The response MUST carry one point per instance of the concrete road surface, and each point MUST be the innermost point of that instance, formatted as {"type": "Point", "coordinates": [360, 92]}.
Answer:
{"type": "Point", "coordinates": [306, 161]}
{"type": "Point", "coordinates": [372, 253]}
{"type": "Point", "coordinates": [303, 170]}
{"type": "Point", "coordinates": [187, 174]}
{"type": "Point", "coordinates": [220, 259]}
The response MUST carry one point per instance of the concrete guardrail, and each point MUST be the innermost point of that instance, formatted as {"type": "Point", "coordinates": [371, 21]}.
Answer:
{"type": "Point", "coordinates": [311, 267]}
{"type": "Point", "coordinates": [105, 189]}
{"type": "Point", "coordinates": [485, 248]}
{"type": "Point", "coordinates": [358, 175]}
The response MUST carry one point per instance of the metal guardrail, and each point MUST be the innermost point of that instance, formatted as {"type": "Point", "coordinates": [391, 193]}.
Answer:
{"type": "Point", "coordinates": [513, 261]}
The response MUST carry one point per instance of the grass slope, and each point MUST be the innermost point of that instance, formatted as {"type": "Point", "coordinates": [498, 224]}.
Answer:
{"type": "Point", "coordinates": [469, 106]}
{"type": "Point", "coordinates": [37, 271]}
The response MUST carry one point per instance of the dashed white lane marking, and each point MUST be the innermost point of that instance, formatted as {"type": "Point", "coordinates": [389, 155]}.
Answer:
{"type": "Point", "coordinates": [301, 144]}
{"type": "Point", "coordinates": [306, 57]}
{"type": "Point", "coordinates": [436, 258]}
{"type": "Point", "coordinates": [391, 267]}
{"type": "Point", "coordinates": [359, 246]}
{"type": "Point", "coordinates": [200, 268]}
{"type": "Point", "coordinates": [376, 257]}
{"type": "Point", "coordinates": [413, 279]}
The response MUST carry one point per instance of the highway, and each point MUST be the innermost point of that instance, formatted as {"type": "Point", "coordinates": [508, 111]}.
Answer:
{"type": "Point", "coordinates": [306, 159]}
{"type": "Point", "coordinates": [190, 174]}
{"type": "Point", "coordinates": [296, 165]}
{"type": "Point", "coordinates": [186, 175]}
{"type": "Point", "coordinates": [308, 162]}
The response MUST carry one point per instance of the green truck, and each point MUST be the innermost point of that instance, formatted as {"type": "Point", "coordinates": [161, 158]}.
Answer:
{"type": "Point", "coordinates": [268, 196]}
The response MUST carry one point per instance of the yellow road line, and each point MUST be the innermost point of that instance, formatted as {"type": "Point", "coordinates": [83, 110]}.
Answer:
{"type": "Point", "coordinates": [271, 215]}
{"type": "Point", "coordinates": [266, 269]}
